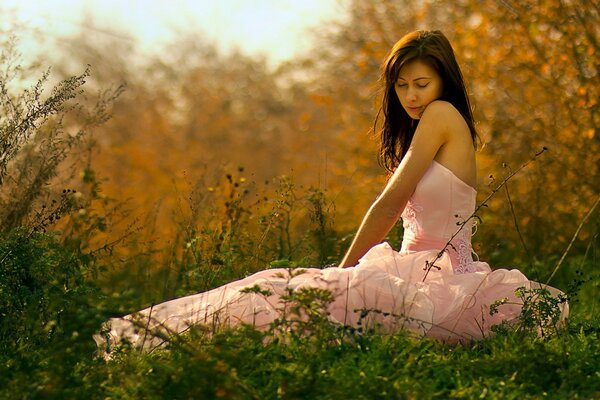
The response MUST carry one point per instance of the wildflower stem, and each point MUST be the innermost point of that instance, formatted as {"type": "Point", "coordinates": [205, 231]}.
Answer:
{"type": "Point", "coordinates": [482, 204]}
{"type": "Point", "coordinates": [562, 258]}
{"type": "Point", "coordinates": [515, 220]}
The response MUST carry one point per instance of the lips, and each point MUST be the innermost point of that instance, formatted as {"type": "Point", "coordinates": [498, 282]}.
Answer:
{"type": "Point", "coordinates": [413, 110]}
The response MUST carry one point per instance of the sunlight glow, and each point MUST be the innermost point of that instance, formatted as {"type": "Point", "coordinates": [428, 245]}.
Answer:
{"type": "Point", "coordinates": [278, 29]}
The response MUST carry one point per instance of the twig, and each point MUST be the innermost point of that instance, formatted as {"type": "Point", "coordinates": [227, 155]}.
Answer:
{"type": "Point", "coordinates": [516, 222]}
{"type": "Point", "coordinates": [562, 258]}
{"type": "Point", "coordinates": [147, 325]}
{"type": "Point", "coordinates": [462, 224]}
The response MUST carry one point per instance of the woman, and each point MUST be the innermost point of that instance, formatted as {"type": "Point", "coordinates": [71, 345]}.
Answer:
{"type": "Point", "coordinates": [432, 286]}
{"type": "Point", "coordinates": [427, 117]}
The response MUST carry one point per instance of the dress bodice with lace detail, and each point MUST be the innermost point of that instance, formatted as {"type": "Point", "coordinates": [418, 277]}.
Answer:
{"type": "Point", "coordinates": [435, 215]}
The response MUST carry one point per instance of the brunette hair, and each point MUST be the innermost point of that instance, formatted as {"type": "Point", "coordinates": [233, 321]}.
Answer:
{"type": "Point", "coordinates": [398, 127]}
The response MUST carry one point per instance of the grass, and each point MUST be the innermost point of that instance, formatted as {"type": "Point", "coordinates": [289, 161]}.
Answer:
{"type": "Point", "coordinates": [51, 353]}
{"type": "Point", "coordinates": [238, 365]}
{"type": "Point", "coordinates": [331, 364]}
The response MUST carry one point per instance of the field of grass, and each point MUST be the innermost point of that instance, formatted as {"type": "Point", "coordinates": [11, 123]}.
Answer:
{"type": "Point", "coordinates": [51, 307]}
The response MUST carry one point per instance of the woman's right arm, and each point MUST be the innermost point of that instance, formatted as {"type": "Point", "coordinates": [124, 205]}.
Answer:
{"type": "Point", "coordinates": [430, 136]}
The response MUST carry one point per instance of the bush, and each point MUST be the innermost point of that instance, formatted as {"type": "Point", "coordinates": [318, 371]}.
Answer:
{"type": "Point", "coordinates": [48, 311]}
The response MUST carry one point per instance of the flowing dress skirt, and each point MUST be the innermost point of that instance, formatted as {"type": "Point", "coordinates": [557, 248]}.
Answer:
{"type": "Point", "coordinates": [387, 290]}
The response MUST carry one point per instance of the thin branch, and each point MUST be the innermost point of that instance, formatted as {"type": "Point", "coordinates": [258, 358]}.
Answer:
{"type": "Point", "coordinates": [462, 224]}
{"type": "Point", "coordinates": [562, 258]}
{"type": "Point", "coordinates": [514, 215]}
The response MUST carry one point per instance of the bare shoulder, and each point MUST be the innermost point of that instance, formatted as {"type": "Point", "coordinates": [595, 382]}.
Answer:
{"type": "Point", "coordinates": [441, 123]}
{"type": "Point", "coordinates": [457, 153]}
{"type": "Point", "coordinates": [445, 115]}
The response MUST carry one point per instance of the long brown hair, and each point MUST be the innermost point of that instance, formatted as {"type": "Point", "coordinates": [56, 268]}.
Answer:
{"type": "Point", "coordinates": [398, 127]}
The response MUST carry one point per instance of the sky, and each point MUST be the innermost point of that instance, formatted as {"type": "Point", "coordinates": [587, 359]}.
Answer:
{"type": "Point", "coordinates": [278, 29]}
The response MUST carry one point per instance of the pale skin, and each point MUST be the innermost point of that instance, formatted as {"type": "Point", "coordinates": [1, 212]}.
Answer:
{"type": "Point", "coordinates": [441, 135]}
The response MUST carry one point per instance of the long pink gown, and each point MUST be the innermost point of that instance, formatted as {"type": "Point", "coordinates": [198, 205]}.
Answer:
{"type": "Point", "coordinates": [389, 289]}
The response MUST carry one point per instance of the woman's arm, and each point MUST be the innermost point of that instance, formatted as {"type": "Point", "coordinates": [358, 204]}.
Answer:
{"type": "Point", "coordinates": [431, 134]}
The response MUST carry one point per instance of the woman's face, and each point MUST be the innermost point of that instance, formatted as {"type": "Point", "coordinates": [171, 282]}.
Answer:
{"type": "Point", "coordinates": [418, 85]}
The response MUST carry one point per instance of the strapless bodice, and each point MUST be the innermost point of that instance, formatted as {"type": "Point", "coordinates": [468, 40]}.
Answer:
{"type": "Point", "coordinates": [434, 213]}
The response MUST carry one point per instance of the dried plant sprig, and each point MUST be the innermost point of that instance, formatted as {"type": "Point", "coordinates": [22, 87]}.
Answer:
{"type": "Point", "coordinates": [484, 203]}
{"type": "Point", "coordinates": [562, 258]}
{"type": "Point", "coordinates": [47, 215]}
{"type": "Point", "coordinates": [26, 113]}
{"type": "Point", "coordinates": [39, 128]}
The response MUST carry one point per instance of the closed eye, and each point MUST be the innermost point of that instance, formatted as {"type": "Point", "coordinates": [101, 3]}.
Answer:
{"type": "Point", "coordinates": [419, 85]}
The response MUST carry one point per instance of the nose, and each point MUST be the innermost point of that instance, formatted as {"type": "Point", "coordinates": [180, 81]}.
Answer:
{"type": "Point", "coordinates": [411, 94]}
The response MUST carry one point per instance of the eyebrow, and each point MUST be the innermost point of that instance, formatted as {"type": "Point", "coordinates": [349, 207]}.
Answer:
{"type": "Point", "coordinates": [416, 79]}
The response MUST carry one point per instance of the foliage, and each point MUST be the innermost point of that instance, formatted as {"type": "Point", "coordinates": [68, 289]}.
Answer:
{"type": "Point", "coordinates": [296, 358]}
{"type": "Point", "coordinates": [38, 131]}
{"type": "Point", "coordinates": [548, 47]}
{"type": "Point", "coordinates": [362, 367]}
{"type": "Point", "coordinates": [230, 228]}
{"type": "Point", "coordinates": [48, 310]}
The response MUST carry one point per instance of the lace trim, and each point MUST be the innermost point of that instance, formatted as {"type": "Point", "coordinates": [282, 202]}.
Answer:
{"type": "Point", "coordinates": [474, 231]}
{"type": "Point", "coordinates": [409, 217]}
{"type": "Point", "coordinates": [462, 245]}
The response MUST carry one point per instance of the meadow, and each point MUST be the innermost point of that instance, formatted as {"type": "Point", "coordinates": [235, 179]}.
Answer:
{"type": "Point", "coordinates": [53, 302]}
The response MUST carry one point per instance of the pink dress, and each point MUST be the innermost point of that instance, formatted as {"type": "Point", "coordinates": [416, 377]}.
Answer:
{"type": "Point", "coordinates": [388, 289]}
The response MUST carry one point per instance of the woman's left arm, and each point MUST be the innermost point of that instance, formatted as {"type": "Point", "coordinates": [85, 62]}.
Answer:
{"type": "Point", "coordinates": [431, 134]}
